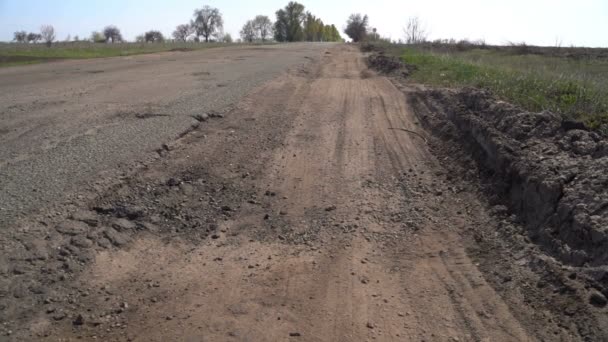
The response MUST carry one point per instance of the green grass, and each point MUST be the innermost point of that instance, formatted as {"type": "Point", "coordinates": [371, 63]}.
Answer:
{"type": "Point", "coordinates": [574, 88]}
{"type": "Point", "coordinates": [19, 54]}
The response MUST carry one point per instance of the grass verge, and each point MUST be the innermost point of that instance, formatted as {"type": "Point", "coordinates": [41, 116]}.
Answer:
{"type": "Point", "coordinates": [576, 89]}
{"type": "Point", "coordinates": [21, 54]}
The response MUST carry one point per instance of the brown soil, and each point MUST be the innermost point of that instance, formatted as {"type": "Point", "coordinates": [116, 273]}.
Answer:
{"type": "Point", "coordinates": [23, 59]}
{"type": "Point", "coordinates": [316, 209]}
{"type": "Point", "coordinates": [549, 171]}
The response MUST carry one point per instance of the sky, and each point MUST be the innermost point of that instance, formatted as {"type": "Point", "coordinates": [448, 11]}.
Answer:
{"type": "Point", "coordinates": [537, 22]}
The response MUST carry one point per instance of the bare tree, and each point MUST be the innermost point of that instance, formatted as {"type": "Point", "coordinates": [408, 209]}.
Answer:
{"type": "Point", "coordinates": [20, 36]}
{"type": "Point", "coordinates": [356, 27]}
{"type": "Point", "coordinates": [263, 26]}
{"type": "Point", "coordinates": [414, 31]}
{"type": "Point", "coordinates": [182, 32]}
{"type": "Point", "coordinates": [558, 42]}
{"type": "Point", "coordinates": [47, 33]}
{"type": "Point", "coordinates": [207, 22]}
{"type": "Point", "coordinates": [248, 32]}
{"type": "Point", "coordinates": [112, 33]}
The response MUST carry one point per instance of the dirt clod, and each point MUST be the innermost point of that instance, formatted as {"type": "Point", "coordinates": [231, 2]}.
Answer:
{"type": "Point", "coordinates": [79, 320]}
{"type": "Point", "coordinates": [72, 228]}
{"type": "Point", "coordinates": [597, 299]}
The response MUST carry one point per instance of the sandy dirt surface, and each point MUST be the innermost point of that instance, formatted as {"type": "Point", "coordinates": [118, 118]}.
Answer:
{"type": "Point", "coordinates": [301, 215]}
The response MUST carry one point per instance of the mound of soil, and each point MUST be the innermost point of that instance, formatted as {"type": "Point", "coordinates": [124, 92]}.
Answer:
{"type": "Point", "coordinates": [369, 47]}
{"type": "Point", "coordinates": [389, 65]}
{"type": "Point", "coordinates": [22, 59]}
{"type": "Point", "coordinates": [183, 49]}
{"type": "Point", "coordinates": [550, 172]}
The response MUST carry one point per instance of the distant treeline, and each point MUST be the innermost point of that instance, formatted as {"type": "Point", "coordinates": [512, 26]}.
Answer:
{"type": "Point", "coordinates": [292, 24]}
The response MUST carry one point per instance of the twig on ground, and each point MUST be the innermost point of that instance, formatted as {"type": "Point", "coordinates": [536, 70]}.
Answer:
{"type": "Point", "coordinates": [415, 133]}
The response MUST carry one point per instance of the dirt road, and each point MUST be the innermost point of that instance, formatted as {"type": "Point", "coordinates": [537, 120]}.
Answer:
{"type": "Point", "coordinates": [302, 215]}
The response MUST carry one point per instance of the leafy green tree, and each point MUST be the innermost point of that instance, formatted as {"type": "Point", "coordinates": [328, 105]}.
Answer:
{"type": "Point", "coordinates": [227, 38]}
{"type": "Point", "coordinates": [335, 34]}
{"type": "Point", "coordinates": [97, 37]}
{"type": "Point", "coordinates": [280, 26]}
{"type": "Point", "coordinates": [288, 27]}
{"type": "Point", "coordinates": [295, 14]}
{"type": "Point", "coordinates": [112, 34]}
{"type": "Point", "coordinates": [153, 37]}
{"type": "Point", "coordinates": [313, 28]}
{"type": "Point", "coordinates": [329, 33]}
{"type": "Point", "coordinates": [356, 27]}
{"type": "Point", "coordinates": [293, 24]}
{"type": "Point", "coordinates": [33, 37]}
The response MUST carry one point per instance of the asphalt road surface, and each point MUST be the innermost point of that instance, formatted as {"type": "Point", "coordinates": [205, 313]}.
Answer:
{"type": "Point", "coordinates": [61, 124]}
